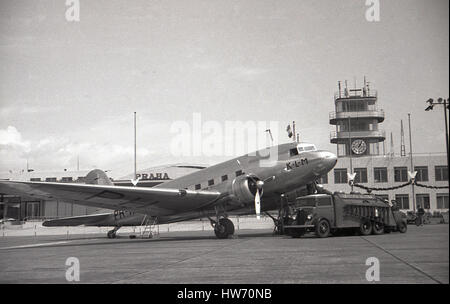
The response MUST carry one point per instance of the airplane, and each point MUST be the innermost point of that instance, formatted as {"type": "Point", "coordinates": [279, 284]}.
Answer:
{"type": "Point", "coordinates": [233, 187]}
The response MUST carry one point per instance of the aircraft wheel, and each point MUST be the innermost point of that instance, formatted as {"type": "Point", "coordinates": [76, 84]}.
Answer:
{"type": "Point", "coordinates": [365, 228]}
{"type": "Point", "coordinates": [224, 228]}
{"type": "Point", "coordinates": [378, 228]}
{"type": "Point", "coordinates": [323, 228]}
{"type": "Point", "coordinates": [111, 234]}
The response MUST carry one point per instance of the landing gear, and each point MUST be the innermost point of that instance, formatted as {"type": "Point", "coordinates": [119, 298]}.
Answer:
{"type": "Point", "coordinates": [223, 228]}
{"type": "Point", "coordinates": [112, 233]}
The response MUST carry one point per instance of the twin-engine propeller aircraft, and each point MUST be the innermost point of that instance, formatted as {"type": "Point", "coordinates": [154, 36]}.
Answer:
{"type": "Point", "coordinates": [233, 187]}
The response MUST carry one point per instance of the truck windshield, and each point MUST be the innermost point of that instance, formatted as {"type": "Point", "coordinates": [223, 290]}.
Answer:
{"type": "Point", "coordinates": [307, 202]}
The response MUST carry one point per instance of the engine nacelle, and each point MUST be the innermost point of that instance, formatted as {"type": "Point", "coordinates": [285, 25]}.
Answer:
{"type": "Point", "coordinates": [244, 188]}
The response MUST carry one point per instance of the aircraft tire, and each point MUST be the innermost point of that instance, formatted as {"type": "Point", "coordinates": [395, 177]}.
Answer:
{"type": "Point", "coordinates": [366, 227]}
{"type": "Point", "coordinates": [111, 234]}
{"type": "Point", "coordinates": [224, 228]}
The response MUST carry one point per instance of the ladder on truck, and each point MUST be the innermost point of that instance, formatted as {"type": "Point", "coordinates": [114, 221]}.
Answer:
{"type": "Point", "coordinates": [148, 225]}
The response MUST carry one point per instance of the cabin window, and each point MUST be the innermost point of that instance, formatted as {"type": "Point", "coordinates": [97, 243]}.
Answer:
{"type": "Point", "coordinates": [211, 182]}
{"type": "Point", "coordinates": [35, 179]}
{"type": "Point", "coordinates": [224, 177]}
{"type": "Point", "coordinates": [198, 187]}
{"type": "Point", "coordinates": [238, 173]}
{"type": "Point", "coordinates": [50, 179]}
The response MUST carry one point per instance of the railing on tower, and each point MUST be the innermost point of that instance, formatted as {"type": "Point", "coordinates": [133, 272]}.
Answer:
{"type": "Point", "coordinates": [355, 93]}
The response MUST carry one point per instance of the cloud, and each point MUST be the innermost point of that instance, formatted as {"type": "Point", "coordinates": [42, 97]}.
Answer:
{"type": "Point", "coordinates": [12, 138]}
{"type": "Point", "coordinates": [56, 154]}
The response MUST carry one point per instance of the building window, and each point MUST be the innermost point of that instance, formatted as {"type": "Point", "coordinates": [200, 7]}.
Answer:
{"type": "Point", "coordinates": [35, 179]}
{"type": "Point", "coordinates": [380, 175]}
{"type": "Point", "coordinates": [323, 179]}
{"type": "Point", "coordinates": [400, 174]}
{"type": "Point", "coordinates": [224, 177]}
{"type": "Point", "coordinates": [442, 200]}
{"type": "Point", "coordinates": [361, 175]}
{"type": "Point", "coordinates": [441, 173]}
{"type": "Point", "coordinates": [198, 187]}
{"type": "Point", "coordinates": [423, 200]}
{"type": "Point", "coordinates": [340, 176]}
{"type": "Point", "coordinates": [239, 172]}
{"type": "Point", "coordinates": [211, 182]}
{"type": "Point", "coordinates": [422, 173]}
{"type": "Point", "coordinates": [51, 179]}
{"type": "Point", "coordinates": [402, 201]}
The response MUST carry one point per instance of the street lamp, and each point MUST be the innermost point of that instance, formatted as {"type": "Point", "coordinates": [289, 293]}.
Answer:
{"type": "Point", "coordinates": [446, 106]}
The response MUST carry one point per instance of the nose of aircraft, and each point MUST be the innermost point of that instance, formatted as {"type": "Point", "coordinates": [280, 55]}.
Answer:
{"type": "Point", "coordinates": [327, 162]}
{"type": "Point", "coordinates": [330, 159]}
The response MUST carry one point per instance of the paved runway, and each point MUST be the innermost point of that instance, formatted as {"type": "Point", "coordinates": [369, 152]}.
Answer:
{"type": "Point", "coordinates": [252, 256]}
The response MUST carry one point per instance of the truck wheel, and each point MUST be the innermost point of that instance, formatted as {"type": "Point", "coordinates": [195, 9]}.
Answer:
{"type": "Point", "coordinates": [365, 228]}
{"type": "Point", "coordinates": [377, 228]}
{"type": "Point", "coordinates": [323, 228]}
{"type": "Point", "coordinates": [402, 227]}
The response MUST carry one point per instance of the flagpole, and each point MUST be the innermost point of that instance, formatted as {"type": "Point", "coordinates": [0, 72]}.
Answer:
{"type": "Point", "coordinates": [135, 173]}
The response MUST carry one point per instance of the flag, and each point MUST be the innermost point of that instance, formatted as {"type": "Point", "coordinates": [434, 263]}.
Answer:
{"type": "Point", "coordinates": [288, 129]}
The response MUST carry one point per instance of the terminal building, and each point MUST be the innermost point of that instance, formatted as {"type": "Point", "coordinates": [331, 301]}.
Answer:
{"type": "Point", "coordinates": [360, 147]}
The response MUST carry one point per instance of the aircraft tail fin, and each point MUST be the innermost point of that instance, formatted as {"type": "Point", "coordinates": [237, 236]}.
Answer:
{"type": "Point", "coordinates": [98, 177]}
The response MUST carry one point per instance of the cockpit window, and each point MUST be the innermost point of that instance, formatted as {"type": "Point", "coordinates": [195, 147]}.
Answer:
{"type": "Point", "coordinates": [306, 147]}
{"type": "Point", "coordinates": [293, 152]}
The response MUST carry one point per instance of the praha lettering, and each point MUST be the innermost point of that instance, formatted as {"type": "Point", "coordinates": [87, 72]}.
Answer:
{"type": "Point", "coordinates": [153, 176]}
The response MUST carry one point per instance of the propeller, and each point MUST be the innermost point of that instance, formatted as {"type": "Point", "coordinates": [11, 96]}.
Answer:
{"type": "Point", "coordinates": [259, 189]}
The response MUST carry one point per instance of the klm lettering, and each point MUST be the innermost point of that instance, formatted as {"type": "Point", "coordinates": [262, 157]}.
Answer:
{"type": "Point", "coordinates": [297, 163]}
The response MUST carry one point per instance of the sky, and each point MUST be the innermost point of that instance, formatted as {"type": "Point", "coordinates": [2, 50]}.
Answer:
{"type": "Point", "coordinates": [68, 90]}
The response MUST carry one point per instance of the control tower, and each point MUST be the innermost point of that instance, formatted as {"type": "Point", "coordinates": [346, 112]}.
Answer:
{"type": "Point", "coordinates": [357, 119]}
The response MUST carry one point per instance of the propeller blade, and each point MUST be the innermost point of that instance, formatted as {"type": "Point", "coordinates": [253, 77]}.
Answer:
{"type": "Point", "coordinates": [258, 204]}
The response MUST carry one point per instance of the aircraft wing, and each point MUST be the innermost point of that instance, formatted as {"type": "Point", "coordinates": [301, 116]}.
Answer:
{"type": "Point", "coordinates": [160, 201]}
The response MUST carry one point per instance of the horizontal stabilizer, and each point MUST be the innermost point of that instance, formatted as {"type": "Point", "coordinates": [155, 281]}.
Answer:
{"type": "Point", "coordinates": [88, 220]}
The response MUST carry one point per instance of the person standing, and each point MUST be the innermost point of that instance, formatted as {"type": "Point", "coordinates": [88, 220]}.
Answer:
{"type": "Point", "coordinates": [420, 214]}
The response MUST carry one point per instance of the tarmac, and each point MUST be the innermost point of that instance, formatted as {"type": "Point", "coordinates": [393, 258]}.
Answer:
{"type": "Point", "coordinates": [252, 256]}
